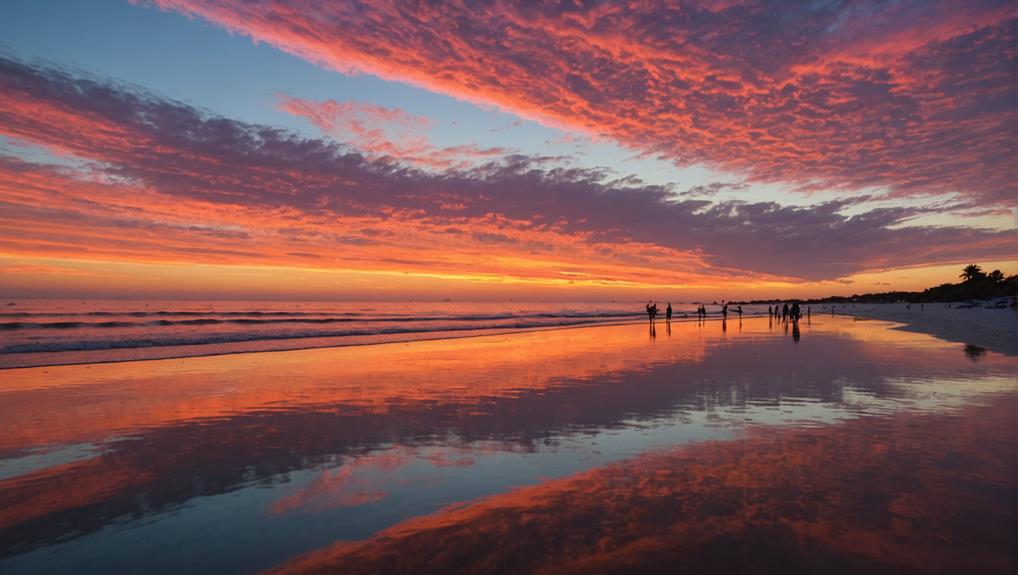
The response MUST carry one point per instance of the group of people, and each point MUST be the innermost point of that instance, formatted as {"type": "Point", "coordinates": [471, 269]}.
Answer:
{"type": "Point", "coordinates": [786, 313]}
{"type": "Point", "coordinates": [724, 311]}
{"type": "Point", "coordinates": [701, 311]}
{"type": "Point", "coordinates": [652, 311]}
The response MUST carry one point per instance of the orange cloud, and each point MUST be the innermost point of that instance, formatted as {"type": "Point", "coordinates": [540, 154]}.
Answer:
{"type": "Point", "coordinates": [198, 189]}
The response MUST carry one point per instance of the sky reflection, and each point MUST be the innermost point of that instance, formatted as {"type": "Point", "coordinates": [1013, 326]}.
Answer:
{"type": "Point", "coordinates": [306, 448]}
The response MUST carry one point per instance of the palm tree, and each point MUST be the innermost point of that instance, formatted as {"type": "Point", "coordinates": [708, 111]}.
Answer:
{"type": "Point", "coordinates": [971, 272]}
{"type": "Point", "coordinates": [996, 276]}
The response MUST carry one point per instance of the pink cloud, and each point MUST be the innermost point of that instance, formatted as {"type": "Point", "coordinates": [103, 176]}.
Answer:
{"type": "Point", "coordinates": [917, 97]}
{"type": "Point", "coordinates": [386, 133]}
{"type": "Point", "coordinates": [194, 187]}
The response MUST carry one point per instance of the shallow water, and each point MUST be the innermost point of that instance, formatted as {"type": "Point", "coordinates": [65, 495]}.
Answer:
{"type": "Point", "coordinates": [845, 447]}
{"type": "Point", "coordinates": [59, 332]}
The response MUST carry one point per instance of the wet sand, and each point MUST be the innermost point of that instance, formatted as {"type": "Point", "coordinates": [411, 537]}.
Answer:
{"type": "Point", "coordinates": [849, 446]}
{"type": "Point", "coordinates": [992, 329]}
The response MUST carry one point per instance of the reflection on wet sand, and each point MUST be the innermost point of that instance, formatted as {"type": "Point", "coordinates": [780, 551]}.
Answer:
{"type": "Point", "coordinates": [159, 435]}
{"type": "Point", "coordinates": [892, 494]}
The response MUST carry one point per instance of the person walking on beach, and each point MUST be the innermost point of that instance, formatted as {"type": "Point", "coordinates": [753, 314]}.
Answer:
{"type": "Point", "coordinates": [668, 312]}
{"type": "Point", "coordinates": [784, 313]}
{"type": "Point", "coordinates": [738, 310]}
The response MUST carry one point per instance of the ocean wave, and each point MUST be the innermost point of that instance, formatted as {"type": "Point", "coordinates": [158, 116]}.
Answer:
{"type": "Point", "coordinates": [182, 313]}
{"type": "Point", "coordinates": [239, 337]}
{"type": "Point", "coordinates": [199, 321]}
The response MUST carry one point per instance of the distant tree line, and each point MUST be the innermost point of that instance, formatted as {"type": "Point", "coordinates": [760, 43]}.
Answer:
{"type": "Point", "coordinates": [975, 284]}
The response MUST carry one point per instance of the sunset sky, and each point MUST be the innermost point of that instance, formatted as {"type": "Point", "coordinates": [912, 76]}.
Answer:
{"type": "Point", "coordinates": [392, 150]}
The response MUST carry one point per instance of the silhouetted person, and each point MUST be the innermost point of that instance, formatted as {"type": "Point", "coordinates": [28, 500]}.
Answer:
{"type": "Point", "coordinates": [784, 312]}
{"type": "Point", "coordinates": [724, 312]}
{"type": "Point", "coordinates": [796, 314]}
{"type": "Point", "coordinates": [651, 312]}
{"type": "Point", "coordinates": [808, 310]}
{"type": "Point", "coordinates": [668, 312]}
{"type": "Point", "coordinates": [738, 310]}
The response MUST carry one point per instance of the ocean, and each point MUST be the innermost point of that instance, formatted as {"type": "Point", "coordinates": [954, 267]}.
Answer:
{"type": "Point", "coordinates": [35, 332]}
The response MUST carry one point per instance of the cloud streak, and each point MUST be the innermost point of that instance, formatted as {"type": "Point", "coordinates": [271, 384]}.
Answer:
{"type": "Point", "coordinates": [189, 186]}
{"type": "Point", "coordinates": [916, 97]}
{"type": "Point", "coordinates": [387, 133]}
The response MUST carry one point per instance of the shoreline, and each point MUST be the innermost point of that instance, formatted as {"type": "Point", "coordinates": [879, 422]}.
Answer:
{"type": "Point", "coordinates": [437, 336]}
{"type": "Point", "coordinates": [991, 329]}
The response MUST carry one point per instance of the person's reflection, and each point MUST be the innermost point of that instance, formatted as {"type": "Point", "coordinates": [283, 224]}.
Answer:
{"type": "Point", "coordinates": [724, 324]}
{"type": "Point", "coordinates": [653, 331]}
{"type": "Point", "coordinates": [795, 330]}
{"type": "Point", "coordinates": [668, 326]}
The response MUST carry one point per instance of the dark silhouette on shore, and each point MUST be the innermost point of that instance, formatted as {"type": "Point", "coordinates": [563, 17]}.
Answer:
{"type": "Point", "coordinates": [975, 285]}
{"type": "Point", "coordinates": [974, 352]}
{"type": "Point", "coordinates": [668, 312]}
{"type": "Point", "coordinates": [651, 312]}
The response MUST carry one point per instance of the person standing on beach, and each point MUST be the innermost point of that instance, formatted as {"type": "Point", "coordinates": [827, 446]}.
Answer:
{"type": "Point", "coordinates": [739, 311]}
{"type": "Point", "coordinates": [784, 313]}
{"type": "Point", "coordinates": [668, 312]}
{"type": "Point", "coordinates": [724, 312]}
